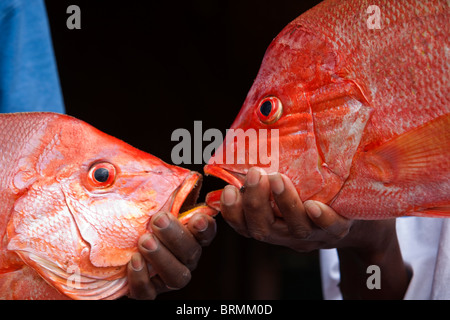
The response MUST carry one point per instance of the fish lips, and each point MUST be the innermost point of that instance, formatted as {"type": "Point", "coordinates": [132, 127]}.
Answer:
{"type": "Point", "coordinates": [184, 200]}
{"type": "Point", "coordinates": [234, 178]}
{"type": "Point", "coordinates": [187, 194]}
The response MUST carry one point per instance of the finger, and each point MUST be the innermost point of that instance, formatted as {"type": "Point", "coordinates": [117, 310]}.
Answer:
{"type": "Point", "coordinates": [176, 238]}
{"type": "Point", "coordinates": [232, 210]}
{"type": "Point", "coordinates": [138, 279]}
{"type": "Point", "coordinates": [290, 206]}
{"type": "Point", "coordinates": [258, 211]}
{"type": "Point", "coordinates": [203, 228]}
{"type": "Point", "coordinates": [327, 219]}
{"type": "Point", "coordinates": [173, 273]}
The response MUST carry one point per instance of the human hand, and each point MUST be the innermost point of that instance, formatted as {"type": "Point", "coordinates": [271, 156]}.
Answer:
{"type": "Point", "coordinates": [314, 225]}
{"type": "Point", "coordinates": [289, 222]}
{"type": "Point", "coordinates": [168, 255]}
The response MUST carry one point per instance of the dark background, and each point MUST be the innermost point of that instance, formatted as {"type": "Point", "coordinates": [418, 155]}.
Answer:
{"type": "Point", "coordinates": [138, 70]}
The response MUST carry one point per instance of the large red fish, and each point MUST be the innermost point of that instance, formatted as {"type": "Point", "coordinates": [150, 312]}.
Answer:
{"type": "Point", "coordinates": [359, 91]}
{"type": "Point", "coordinates": [73, 203]}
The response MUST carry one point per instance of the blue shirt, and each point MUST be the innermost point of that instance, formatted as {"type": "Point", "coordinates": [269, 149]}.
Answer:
{"type": "Point", "coordinates": [28, 73]}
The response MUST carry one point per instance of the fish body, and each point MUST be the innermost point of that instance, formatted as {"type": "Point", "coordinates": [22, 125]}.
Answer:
{"type": "Point", "coordinates": [73, 203]}
{"type": "Point", "coordinates": [362, 112]}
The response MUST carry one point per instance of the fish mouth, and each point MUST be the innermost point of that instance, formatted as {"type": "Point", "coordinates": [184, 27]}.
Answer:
{"type": "Point", "coordinates": [184, 200]}
{"type": "Point", "coordinates": [185, 197]}
{"type": "Point", "coordinates": [234, 178]}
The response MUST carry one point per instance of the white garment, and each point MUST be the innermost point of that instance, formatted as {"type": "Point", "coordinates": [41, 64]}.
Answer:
{"type": "Point", "coordinates": [425, 247]}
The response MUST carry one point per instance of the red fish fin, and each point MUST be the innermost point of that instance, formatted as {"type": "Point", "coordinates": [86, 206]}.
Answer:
{"type": "Point", "coordinates": [435, 212]}
{"type": "Point", "coordinates": [417, 156]}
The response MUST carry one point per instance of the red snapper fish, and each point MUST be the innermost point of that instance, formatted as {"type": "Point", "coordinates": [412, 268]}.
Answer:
{"type": "Point", "coordinates": [73, 203]}
{"type": "Point", "coordinates": [359, 93]}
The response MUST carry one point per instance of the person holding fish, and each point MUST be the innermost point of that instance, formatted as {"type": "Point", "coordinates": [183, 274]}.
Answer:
{"type": "Point", "coordinates": [362, 120]}
{"type": "Point", "coordinates": [28, 83]}
{"type": "Point", "coordinates": [312, 225]}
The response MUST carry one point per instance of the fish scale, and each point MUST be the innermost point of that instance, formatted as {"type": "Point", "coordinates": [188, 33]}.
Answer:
{"type": "Point", "coordinates": [371, 55]}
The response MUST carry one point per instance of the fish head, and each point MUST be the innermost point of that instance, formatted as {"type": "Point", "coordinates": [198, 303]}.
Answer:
{"type": "Point", "coordinates": [88, 199]}
{"type": "Point", "coordinates": [293, 117]}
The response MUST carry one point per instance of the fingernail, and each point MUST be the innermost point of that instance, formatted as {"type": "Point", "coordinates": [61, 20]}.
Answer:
{"type": "Point", "coordinates": [149, 243]}
{"type": "Point", "coordinates": [229, 195]}
{"type": "Point", "coordinates": [201, 224]}
{"type": "Point", "coordinates": [313, 209]}
{"type": "Point", "coordinates": [162, 221]}
{"type": "Point", "coordinates": [136, 262]}
{"type": "Point", "coordinates": [276, 183]}
{"type": "Point", "coordinates": [253, 176]}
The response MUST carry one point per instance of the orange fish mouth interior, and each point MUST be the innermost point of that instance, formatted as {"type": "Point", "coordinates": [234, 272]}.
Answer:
{"type": "Point", "coordinates": [186, 196]}
{"type": "Point", "coordinates": [232, 177]}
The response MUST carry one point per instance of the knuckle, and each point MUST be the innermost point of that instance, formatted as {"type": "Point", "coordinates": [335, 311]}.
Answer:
{"type": "Point", "coordinates": [232, 219]}
{"type": "Point", "coordinates": [341, 235]}
{"type": "Point", "coordinates": [238, 227]}
{"type": "Point", "coordinates": [150, 295]}
{"type": "Point", "coordinates": [242, 231]}
{"type": "Point", "coordinates": [338, 232]}
{"type": "Point", "coordinates": [181, 280]}
{"type": "Point", "coordinates": [294, 204]}
{"type": "Point", "coordinates": [304, 249]}
{"type": "Point", "coordinates": [299, 232]}
{"type": "Point", "coordinates": [259, 234]}
{"type": "Point", "coordinates": [142, 292]}
{"type": "Point", "coordinates": [207, 238]}
{"type": "Point", "coordinates": [192, 260]}
{"type": "Point", "coordinates": [251, 204]}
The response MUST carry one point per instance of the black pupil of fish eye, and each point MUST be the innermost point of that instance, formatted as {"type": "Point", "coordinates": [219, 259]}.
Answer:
{"type": "Point", "coordinates": [265, 108]}
{"type": "Point", "coordinates": [101, 174]}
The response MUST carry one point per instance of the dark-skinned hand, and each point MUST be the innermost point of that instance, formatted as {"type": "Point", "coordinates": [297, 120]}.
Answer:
{"type": "Point", "coordinates": [168, 254]}
{"type": "Point", "coordinates": [268, 208]}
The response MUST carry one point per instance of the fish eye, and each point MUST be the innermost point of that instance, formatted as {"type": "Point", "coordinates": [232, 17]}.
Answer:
{"type": "Point", "coordinates": [265, 108]}
{"type": "Point", "coordinates": [102, 175]}
{"type": "Point", "coordinates": [269, 109]}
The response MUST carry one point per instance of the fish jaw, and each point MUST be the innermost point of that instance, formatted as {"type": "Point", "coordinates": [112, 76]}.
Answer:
{"type": "Point", "coordinates": [234, 178]}
{"type": "Point", "coordinates": [189, 188]}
